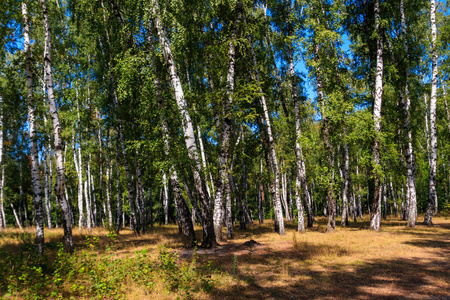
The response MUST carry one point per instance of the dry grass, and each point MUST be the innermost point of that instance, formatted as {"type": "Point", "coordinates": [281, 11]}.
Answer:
{"type": "Point", "coordinates": [395, 263]}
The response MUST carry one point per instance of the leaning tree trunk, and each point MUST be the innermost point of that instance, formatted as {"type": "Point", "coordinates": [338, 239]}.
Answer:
{"type": "Point", "coordinates": [376, 210]}
{"type": "Point", "coordinates": [410, 161]}
{"type": "Point", "coordinates": [279, 222]}
{"type": "Point", "coordinates": [187, 227]}
{"type": "Point", "coordinates": [60, 170]}
{"type": "Point", "coordinates": [432, 203]}
{"type": "Point", "coordinates": [37, 191]}
{"type": "Point", "coordinates": [209, 239]}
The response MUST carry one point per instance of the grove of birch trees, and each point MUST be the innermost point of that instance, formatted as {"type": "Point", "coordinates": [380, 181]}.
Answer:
{"type": "Point", "coordinates": [216, 113]}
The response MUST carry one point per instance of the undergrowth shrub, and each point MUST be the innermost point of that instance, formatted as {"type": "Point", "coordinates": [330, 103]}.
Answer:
{"type": "Point", "coordinates": [88, 273]}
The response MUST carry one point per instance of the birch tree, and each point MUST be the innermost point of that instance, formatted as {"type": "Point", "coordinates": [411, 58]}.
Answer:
{"type": "Point", "coordinates": [209, 239]}
{"type": "Point", "coordinates": [431, 205]}
{"type": "Point", "coordinates": [378, 98]}
{"type": "Point", "coordinates": [60, 169]}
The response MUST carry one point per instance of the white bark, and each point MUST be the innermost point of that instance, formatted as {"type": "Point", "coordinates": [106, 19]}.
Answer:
{"type": "Point", "coordinates": [165, 199]}
{"type": "Point", "coordinates": [108, 185]}
{"type": "Point", "coordinates": [378, 98]}
{"type": "Point", "coordinates": [46, 188]}
{"type": "Point", "coordinates": [60, 179]}
{"type": "Point", "coordinates": [345, 193]}
{"type": "Point", "coordinates": [209, 239]}
{"type": "Point", "coordinates": [223, 184]}
{"type": "Point", "coordinates": [185, 223]}
{"type": "Point", "coordinates": [37, 191]}
{"type": "Point", "coordinates": [432, 203]}
{"type": "Point", "coordinates": [279, 222]}
{"type": "Point", "coordinates": [119, 215]}
{"type": "Point", "coordinates": [410, 160]}
{"type": "Point", "coordinates": [2, 199]}
{"type": "Point", "coordinates": [300, 181]}
{"type": "Point", "coordinates": [2, 217]}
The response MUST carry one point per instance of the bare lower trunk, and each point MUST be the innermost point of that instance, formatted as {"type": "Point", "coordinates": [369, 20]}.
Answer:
{"type": "Point", "coordinates": [346, 175]}
{"type": "Point", "coordinates": [245, 185]}
{"type": "Point", "coordinates": [165, 199]}
{"type": "Point", "coordinates": [410, 161]}
{"type": "Point", "coordinates": [376, 202]}
{"type": "Point", "coordinates": [432, 199]}
{"type": "Point", "coordinates": [36, 185]}
{"type": "Point", "coordinates": [260, 195]}
{"type": "Point", "coordinates": [133, 221]}
{"type": "Point", "coordinates": [300, 178]}
{"type": "Point", "coordinates": [108, 183]}
{"type": "Point", "coordinates": [2, 188]}
{"type": "Point", "coordinates": [118, 195]}
{"type": "Point", "coordinates": [60, 170]}
{"type": "Point", "coordinates": [209, 239]}
{"type": "Point", "coordinates": [223, 185]}
{"type": "Point", "coordinates": [140, 196]}
{"type": "Point", "coordinates": [331, 203]}
{"type": "Point", "coordinates": [48, 215]}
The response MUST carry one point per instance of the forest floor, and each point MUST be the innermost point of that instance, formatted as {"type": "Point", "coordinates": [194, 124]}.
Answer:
{"type": "Point", "coordinates": [352, 263]}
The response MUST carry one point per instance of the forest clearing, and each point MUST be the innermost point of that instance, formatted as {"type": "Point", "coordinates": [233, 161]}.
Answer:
{"type": "Point", "coordinates": [224, 149]}
{"type": "Point", "coordinates": [394, 263]}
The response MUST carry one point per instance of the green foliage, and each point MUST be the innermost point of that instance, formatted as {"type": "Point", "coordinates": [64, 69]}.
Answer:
{"type": "Point", "coordinates": [94, 274]}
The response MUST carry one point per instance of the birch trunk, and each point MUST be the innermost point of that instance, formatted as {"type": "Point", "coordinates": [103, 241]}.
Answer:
{"type": "Point", "coordinates": [378, 98]}
{"type": "Point", "coordinates": [88, 205]}
{"type": "Point", "coordinates": [133, 222]}
{"type": "Point", "coordinates": [16, 217]}
{"type": "Point", "coordinates": [60, 170]}
{"type": "Point", "coordinates": [21, 202]}
{"type": "Point", "coordinates": [92, 196]}
{"type": "Point", "coordinates": [346, 175]}
{"type": "Point", "coordinates": [260, 195]}
{"type": "Point", "coordinates": [48, 219]}
{"type": "Point", "coordinates": [245, 184]}
{"type": "Point", "coordinates": [2, 188]}
{"type": "Point", "coordinates": [140, 196]}
{"type": "Point", "coordinates": [300, 180]}
{"type": "Point", "coordinates": [37, 191]}
{"type": "Point", "coordinates": [185, 222]}
{"type": "Point", "coordinates": [108, 183]}
{"type": "Point", "coordinates": [284, 197]}
{"type": "Point", "coordinates": [432, 203]}
{"type": "Point", "coordinates": [209, 239]}
{"type": "Point", "coordinates": [223, 185]}
{"type": "Point", "coordinates": [165, 199]}
{"type": "Point", "coordinates": [331, 211]}
{"type": "Point", "coordinates": [409, 157]}
{"type": "Point", "coordinates": [427, 128]}
{"type": "Point", "coordinates": [279, 222]}
{"type": "Point", "coordinates": [195, 209]}
{"type": "Point", "coordinates": [118, 195]}
{"type": "Point", "coordinates": [446, 105]}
